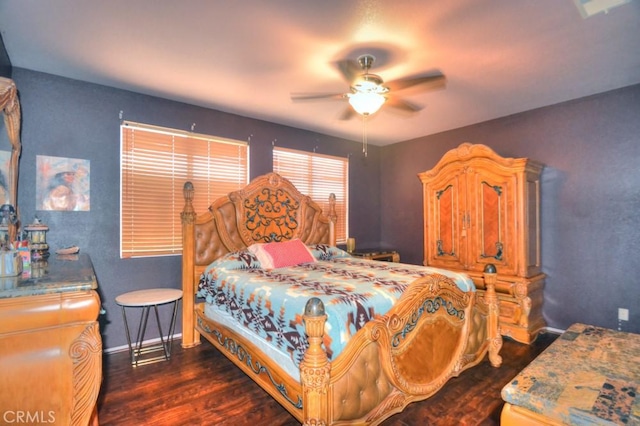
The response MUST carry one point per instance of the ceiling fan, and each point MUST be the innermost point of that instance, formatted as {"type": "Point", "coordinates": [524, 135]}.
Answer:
{"type": "Point", "coordinates": [368, 92]}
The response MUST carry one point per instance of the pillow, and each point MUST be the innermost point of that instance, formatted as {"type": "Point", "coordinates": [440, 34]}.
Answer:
{"type": "Point", "coordinates": [242, 259]}
{"type": "Point", "coordinates": [280, 255]}
{"type": "Point", "coordinates": [327, 252]}
{"type": "Point", "coordinates": [257, 250]}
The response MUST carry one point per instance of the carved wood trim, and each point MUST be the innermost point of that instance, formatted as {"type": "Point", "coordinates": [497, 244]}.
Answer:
{"type": "Point", "coordinates": [86, 354]}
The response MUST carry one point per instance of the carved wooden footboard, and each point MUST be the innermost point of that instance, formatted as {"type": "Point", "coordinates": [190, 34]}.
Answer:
{"type": "Point", "coordinates": [434, 332]}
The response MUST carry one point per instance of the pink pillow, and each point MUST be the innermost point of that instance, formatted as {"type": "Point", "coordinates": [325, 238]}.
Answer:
{"type": "Point", "coordinates": [280, 255]}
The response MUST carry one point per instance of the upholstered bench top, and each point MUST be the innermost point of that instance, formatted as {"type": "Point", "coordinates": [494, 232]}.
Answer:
{"type": "Point", "coordinates": [589, 375]}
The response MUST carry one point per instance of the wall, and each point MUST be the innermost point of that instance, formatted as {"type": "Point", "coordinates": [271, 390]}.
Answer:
{"type": "Point", "coordinates": [69, 118]}
{"type": "Point", "coordinates": [590, 199]}
{"type": "Point", "coordinates": [5, 62]}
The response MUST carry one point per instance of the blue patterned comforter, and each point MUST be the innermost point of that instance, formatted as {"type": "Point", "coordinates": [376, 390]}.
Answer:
{"type": "Point", "coordinates": [270, 303]}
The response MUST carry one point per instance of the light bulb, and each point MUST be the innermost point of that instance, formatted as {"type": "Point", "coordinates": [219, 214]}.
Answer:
{"type": "Point", "coordinates": [366, 103]}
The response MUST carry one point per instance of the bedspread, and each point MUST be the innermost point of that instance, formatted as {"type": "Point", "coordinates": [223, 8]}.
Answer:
{"type": "Point", "coordinates": [270, 303]}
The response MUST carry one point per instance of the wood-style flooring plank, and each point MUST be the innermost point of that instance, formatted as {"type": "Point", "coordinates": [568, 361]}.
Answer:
{"type": "Point", "coordinates": [199, 386]}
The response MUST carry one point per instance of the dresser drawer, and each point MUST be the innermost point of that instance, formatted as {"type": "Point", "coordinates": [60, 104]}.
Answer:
{"type": "Point", "coordinates": [48, 310]}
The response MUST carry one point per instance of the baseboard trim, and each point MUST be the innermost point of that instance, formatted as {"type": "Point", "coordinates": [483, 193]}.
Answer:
{"type": "Point", "coordinates": [125, 348]}
{"type": "Point", "coordinates": [553, 330]}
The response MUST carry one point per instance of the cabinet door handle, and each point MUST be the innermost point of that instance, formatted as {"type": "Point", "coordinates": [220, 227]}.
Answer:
{"type": "Point", "coordinates": [466, 223]}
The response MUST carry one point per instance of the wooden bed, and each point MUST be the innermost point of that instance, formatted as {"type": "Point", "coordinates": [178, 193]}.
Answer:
{"type": "Point", "coordinates": [395, 359]}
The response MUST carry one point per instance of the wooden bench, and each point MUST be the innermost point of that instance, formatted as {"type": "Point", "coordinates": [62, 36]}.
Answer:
{"type": "Point", "coordinates": [588, 376]}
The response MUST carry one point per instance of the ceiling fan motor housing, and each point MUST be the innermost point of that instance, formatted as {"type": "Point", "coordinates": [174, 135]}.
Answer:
{"type": "Point", "coordinates": [369, 83]}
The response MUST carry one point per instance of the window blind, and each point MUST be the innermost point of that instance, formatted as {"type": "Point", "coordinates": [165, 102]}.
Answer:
{"type": "Point", "coordinates": [318, 176]}
{"type": "Point", "coordinates": [155, 164]}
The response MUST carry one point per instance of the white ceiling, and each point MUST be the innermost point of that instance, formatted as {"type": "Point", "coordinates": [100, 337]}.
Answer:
{"type": "Point", "coordinates": [500, 57]}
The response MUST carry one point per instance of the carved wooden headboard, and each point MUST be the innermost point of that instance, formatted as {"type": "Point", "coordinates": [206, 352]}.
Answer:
{"type": "Point", "coordinates": [269, 209]}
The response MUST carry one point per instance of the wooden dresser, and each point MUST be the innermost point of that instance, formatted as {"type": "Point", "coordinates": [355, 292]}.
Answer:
{"type": "Point", "coordinates": [50, 345]}
{"type": "Point", "coordinates": [481, 208]}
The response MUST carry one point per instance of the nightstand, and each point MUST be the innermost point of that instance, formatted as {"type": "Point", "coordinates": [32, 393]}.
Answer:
{"type": "Point", "coordinates": [378, 254]}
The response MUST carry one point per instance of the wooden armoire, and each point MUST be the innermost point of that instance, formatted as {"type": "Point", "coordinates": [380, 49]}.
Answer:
{"type": "Point", "coordinates": [481, 208]}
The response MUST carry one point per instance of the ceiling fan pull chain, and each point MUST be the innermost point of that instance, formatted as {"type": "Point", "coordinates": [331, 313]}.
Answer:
{"type": "Point", "coordinates": [364, 134]}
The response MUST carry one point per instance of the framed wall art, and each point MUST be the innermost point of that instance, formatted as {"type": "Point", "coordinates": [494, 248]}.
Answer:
{"type": "Point", "coordinates": [62, 184]}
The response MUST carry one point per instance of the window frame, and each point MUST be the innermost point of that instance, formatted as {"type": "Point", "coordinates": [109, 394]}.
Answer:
{"type": "Point", "coordinates": [315, 188]}
{"type": "Point", "coordinates": [164, 160]}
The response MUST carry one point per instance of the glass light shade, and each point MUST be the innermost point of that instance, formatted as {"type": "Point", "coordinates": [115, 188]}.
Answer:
{"type": "Point", "coordinates": [366, 103]}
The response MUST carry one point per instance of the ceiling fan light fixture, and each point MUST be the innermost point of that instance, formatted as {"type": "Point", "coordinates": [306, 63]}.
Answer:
{"type": "Point", "coordinates": [366, 103]}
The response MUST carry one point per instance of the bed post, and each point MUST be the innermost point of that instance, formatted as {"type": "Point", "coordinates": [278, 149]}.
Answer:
{"type": "Point", "coordinates": [491, 299]}
{"type": "Point", "coordinates": [333, 218]}
{"type": "Point", "coordinates": [315, 367]}
{"type": "Point", "coordinates": [188, 216]}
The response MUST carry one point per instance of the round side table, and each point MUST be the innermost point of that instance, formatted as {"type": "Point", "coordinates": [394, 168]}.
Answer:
{"type": "Point", "coordinates": [147, 299]}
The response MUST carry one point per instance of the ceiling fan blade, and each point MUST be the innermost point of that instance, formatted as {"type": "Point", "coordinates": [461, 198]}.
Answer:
{"type": "Point", "coordinates": [316, 96]}
{"type": "Point", "coordinates": [347, 114]}
{"type": "Point", "coordinates": [429, 82]}
{"type": "Point", "coordinates": [402, 105]}
{"type": "Point", "coordinates": [349, 69]}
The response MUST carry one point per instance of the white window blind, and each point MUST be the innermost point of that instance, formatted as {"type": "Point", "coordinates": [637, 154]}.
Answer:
{"type": "Point", "coordinates": [155, 164]}
{"type": "Point", "coordinates": [318, 176]}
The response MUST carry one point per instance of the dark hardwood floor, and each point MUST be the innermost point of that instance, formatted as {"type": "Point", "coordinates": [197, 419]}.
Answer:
{"type": "Point", "coordinates": [199, 386]}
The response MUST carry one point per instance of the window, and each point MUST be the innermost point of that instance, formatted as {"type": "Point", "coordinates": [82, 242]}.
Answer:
{"type": "Point", "coordinates": [155, 163]}
{"type": "Point", "coordinates": [318, 176]}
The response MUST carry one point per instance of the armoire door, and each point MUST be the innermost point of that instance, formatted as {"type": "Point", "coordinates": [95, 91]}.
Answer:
{"type": "Point", "coordinates": [492, 204]}
{"type": "Point", "coordinates": [445, 221]}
